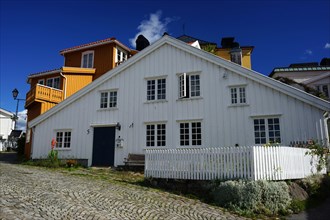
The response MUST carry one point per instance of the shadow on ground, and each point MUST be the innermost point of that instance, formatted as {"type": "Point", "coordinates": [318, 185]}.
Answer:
{"type": "Point", "coordinates": [8, 157]}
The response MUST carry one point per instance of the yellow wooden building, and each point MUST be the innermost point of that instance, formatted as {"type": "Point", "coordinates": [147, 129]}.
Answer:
{"type": "Point", "coordinates": [82, 65]}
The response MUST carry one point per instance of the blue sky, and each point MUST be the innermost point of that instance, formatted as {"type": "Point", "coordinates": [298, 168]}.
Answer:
{"type": "Point", "coordinates": [33, 32]}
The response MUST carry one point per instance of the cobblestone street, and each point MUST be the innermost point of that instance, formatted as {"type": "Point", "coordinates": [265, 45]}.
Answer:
{"type": "Point", "coordinates": [36, 193]}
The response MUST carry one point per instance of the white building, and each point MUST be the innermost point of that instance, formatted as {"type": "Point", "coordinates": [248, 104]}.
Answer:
{"type": "Point", "coordinates": [174, 95]}
{"type": "Point", "coordinates": [6, 126]}
{"type": "Point", "coordinates": [313, 75]}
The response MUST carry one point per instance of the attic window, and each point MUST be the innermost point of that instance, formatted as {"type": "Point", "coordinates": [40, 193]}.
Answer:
{"type": "Point", "coordinates": [87, 59]}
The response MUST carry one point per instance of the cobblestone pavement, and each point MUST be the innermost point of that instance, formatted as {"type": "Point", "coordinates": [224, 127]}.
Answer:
{"type": "Point", "coordinates": [37, 193]}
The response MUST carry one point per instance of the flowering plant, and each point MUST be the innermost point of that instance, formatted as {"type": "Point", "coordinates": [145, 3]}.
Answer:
{"type": "Point", "coordinates": [53, 154]}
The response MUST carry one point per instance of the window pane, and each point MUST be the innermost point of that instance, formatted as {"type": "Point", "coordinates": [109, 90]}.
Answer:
{"type": "Point", "coordinates": [161, 89]}
{"type": "Point", "coordinates": [151, 90]}
{"type": "Point", "coordinates": [56, 83]}
{"type": "Point", "coordinates": [233, 92]}
{"type": "Point", "coordinates": [59, 139]}
{"type": "Point", "coordinates": [195, 85]}
{"type": "Point", "coordinates": [161, 135]}
{"type": "Point", "coordinates": [242, 96]}
{"type": "Point", "coordinates": [259, 131]}
{"type": "Point", "coordinates": [67, 139]}
{"type": "Point", "coordinates": [196, 133]}
{"type": "Point", "coordinates": [184, 134]}
{"type": "Point", "coordinates": [150, 135]}
{"type": "Point", "coordinates": [182, 86]}
{"type": "Point", "coordinates": [104, 100]}
{"type": "Point", "coordinates": [90, 60]}
{"type": "Point", "coordinates": [113, 99]}
{"type": "Point", "coordinates": [84, 61]}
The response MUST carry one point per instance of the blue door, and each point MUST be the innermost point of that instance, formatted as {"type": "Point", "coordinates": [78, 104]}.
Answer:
{"type": "Point", "coordinates": [104, 146]}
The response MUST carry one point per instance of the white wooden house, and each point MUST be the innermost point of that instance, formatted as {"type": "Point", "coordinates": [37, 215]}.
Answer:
{"type": "Point", "coordinates": [6, 126]}
{"type": "Point", "coordinates": [173, 95]}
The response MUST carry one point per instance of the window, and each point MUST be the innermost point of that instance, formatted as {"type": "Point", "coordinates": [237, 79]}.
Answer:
{"type": "Point", "coordinates": [41, 81]}
{"type": "Point", "coordinates": [53, 82]}
{"type": "Point", "coordinates": [238, 95]}
{"type": "Point", "coordinates": [87, 59]}
{"type": "Point", "coordinates": [156, 89]}
{"type": "Point", "coordinates": [121, 56]}
{"type": "Point", "coordinates": [108, 99]}
{"type": "Point", "coordinates": [189, 85]}
{"type": "Point", "coordinates": [63, 139]}
{"type": "Point", "coordinates": [156, 135]}
{"type": "Point", "coordinates": [190, 134]}
{"type": "Point", "coordinates": [267, 130]}
{"type": "Point", "coordinates": [324, 89]}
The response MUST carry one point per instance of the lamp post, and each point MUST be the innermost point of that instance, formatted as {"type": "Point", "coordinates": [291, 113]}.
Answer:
{"type": "Point", "coordinates": [15, 94]}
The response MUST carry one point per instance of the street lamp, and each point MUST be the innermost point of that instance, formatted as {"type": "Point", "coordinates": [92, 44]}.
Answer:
{"type": "Point", "coordinates": [15, 94]}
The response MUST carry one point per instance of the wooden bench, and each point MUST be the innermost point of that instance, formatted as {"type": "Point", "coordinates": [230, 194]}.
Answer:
{"type": "Point", "coordinates": [134, 160]}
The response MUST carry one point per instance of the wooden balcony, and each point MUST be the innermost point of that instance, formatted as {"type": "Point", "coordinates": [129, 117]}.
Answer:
{"type": "Point", "coordinates": [41, 93]}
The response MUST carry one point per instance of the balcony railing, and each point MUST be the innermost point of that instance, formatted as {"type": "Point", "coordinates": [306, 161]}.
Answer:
{"type": "Point", "coordinates": [43, 93]}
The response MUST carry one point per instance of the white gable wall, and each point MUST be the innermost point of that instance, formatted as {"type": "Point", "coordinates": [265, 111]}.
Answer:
{"type": "Point", "coordinates": [222, 125]}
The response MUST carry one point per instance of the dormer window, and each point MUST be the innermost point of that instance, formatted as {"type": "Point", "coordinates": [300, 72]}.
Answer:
{"type": "Point", "coordinates": [121, 56]}
{"type": "Point", "coordinates": [87, 59]}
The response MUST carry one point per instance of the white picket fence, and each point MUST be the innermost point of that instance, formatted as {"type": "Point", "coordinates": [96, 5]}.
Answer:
{"type": "Point", "coordinates": [254, 163]}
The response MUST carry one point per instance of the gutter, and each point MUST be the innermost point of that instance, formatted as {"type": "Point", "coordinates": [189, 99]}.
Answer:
{"type": "Point", "coordinates": [64, 84]}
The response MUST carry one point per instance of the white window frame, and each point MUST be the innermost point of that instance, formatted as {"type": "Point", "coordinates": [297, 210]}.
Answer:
{"type": "Point", "coordinates": [154, 137]}
{"type": "Point", "coordinates": [121, 56]}
{"type": "Point", "coordinates": [61, 139]}
{"type": "Point", "coordinates": [88, 64]}
{"type": "Point", "coordinates": [185, 83]}
{"type": "Point", "coordinates": [53, 82]}
{"type": "Point", "coordinates": [267, 130]}
{"type": "Point", "coordinates": [241, 98]}
{"type": "Point", "coordinates": [193, 140]}
{"type": "Point", "coordinates": [41, 81]}
{"type": "Point", "coordinates": [155, 95]}
{"type": "Point", "coordinates": [109, 99]}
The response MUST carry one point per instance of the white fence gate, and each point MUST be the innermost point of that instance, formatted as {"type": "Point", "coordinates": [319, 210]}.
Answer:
{"type": "Point", "coordinates": [255, 162]}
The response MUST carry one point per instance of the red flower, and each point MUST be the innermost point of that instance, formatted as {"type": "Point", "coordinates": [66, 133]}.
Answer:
{"type": "Point", "coordinates": [53, 143]}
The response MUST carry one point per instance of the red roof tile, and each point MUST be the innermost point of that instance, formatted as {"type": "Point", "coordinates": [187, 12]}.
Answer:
{"type": "Point", "coordinates": [87, 45]}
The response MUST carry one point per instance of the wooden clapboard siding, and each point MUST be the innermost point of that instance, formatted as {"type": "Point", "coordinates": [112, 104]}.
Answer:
{"type": "Point", "coordinates": [103, 58]}
{"type": "Point", "coordinates": [222, 124]}
{"type": "Point", "coordinates": [75, 82]}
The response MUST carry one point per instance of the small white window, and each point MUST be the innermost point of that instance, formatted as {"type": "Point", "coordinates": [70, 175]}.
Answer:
{"type": "Point", "coordinates": [87, 59]}
{"type": "Point", "coordinates": [156, 89]}
{"type": "Point", "coordinates": [108, 99]}
{"type": "Point", "coordinates": [238, 95]}
{"type": "Point", "coordinates": [156, 135]}
{"type": "Point", "coordinates": [63, 139]}
{"type": "Point", "coordinates": [189, 85]}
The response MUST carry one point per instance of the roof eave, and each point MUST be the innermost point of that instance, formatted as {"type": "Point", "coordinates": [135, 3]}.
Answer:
{"type": "Point", "coordinates": [250, 74]}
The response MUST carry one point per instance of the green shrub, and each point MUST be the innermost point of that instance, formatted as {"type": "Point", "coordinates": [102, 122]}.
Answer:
{"type": "Point", "coordinates": [253, 196]}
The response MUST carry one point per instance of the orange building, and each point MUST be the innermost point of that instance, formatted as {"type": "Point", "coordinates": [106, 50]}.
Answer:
{"type": "Point", "coordinates": [229, 49]}
{"type": "Point", "coordinates": [82, 65]}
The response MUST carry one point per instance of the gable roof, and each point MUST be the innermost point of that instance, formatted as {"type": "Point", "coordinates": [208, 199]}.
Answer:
{"type": "Point", "coordinates": [250, 74]}
{"type": "Point", "coordinates": [316, 78]}
{"type": "Point", "coordinates": [6, 113]}
{"type": "Point", "coordinates": [94, 44]}
{"type": "Point", "coordinates": [189, 39]}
